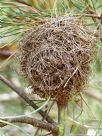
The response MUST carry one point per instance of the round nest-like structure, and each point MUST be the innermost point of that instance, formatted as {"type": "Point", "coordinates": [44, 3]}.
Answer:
{"type": "Point", "coordinates": [55, 57]}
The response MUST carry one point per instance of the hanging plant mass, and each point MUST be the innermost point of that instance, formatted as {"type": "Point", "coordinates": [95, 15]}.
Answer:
{"type": "Point", "coordinates": [55, 57]}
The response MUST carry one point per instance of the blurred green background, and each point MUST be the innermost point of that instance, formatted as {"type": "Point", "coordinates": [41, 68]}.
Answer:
{"type": "Point", "coordinates": [17, 16]}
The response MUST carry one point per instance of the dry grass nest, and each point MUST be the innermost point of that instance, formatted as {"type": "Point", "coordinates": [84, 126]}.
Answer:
{"type": "Point", "coordinates": [55, 57]}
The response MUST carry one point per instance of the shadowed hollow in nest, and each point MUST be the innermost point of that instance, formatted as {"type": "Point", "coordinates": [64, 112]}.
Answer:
{"type": "Point", "coordinates": [55, 57]}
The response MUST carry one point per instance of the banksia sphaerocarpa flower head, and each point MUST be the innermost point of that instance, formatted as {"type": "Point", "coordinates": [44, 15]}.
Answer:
{"type": "Point", "coordinates": [55, 57]}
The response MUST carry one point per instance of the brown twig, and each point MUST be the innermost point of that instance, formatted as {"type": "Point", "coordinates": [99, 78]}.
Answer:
{"type": "Point", "coordinates": [95, 16]}
{"type": "Point", "coordinates": [31, 121]}
{"type": "Point", "coordinates": [23, 95]}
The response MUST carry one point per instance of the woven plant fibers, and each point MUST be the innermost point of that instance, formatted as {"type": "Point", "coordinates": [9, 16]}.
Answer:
{"type": "Point", "coordinates": [55, 57]}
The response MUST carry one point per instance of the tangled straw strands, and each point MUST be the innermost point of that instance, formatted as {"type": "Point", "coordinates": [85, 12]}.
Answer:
{"type": "Point", "coordinates": [55, 57]}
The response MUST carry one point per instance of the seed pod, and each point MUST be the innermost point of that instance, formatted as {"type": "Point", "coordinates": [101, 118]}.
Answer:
{"type": "Point", "coordinates": [55, 57]}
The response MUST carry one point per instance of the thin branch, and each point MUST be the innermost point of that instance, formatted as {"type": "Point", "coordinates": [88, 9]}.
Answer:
{"type": "Point", "coordinates": [31, 121]}
{"type": "Point", "coordinates": [95, 16]}
{"type": "Point", "coordinates": [47, 112]}
{"type": "Point", "coordinates": [23, 95]}
{"type": "Point", "coordinates": [94, 94]}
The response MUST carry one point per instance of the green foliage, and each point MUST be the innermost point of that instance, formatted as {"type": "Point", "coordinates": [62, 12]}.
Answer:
{"type": "Point", "coordinates": [18, 16]}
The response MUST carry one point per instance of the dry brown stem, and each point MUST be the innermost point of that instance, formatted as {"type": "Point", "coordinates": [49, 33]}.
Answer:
{"type": "Point", "coordinates": [23, 95]}
{"type": "Point", "coordinates": [31, 121]}
{"type": "Point", "coordinates": [94, 16]}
